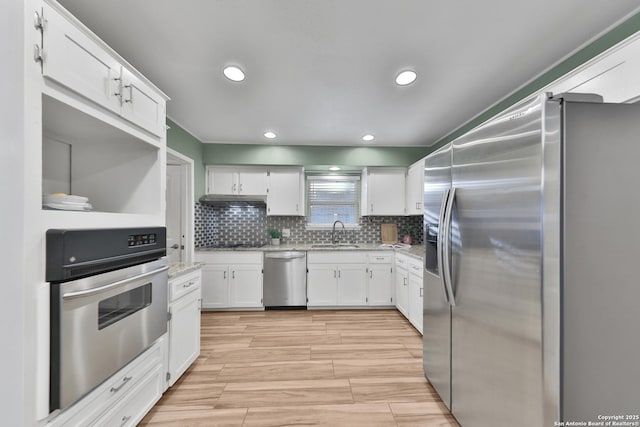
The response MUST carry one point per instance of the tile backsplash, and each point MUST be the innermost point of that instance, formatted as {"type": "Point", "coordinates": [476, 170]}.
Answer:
{"type": "Point", "coordinates": [216, 226]}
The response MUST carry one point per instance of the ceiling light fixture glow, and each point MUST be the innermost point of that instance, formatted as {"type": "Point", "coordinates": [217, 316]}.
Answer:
{"type": "Point", "coordinates": [368, 137]}
{"type": "Point", "coordinates": [334, 168]}
{"type": "Point", "coordinates": [406, 77]}
{"type": "Point", "coordinates": [233, 73]}
{"type": "Point", "coordinates": [270, 135]}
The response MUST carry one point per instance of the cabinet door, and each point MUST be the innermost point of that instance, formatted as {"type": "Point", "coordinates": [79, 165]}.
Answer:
{"type": "Point", "coordinates": [184, 334]}
{"type": "Point", "coordinates": [380, 284]}
{"type": "Point", "coordinates": [215, 286]}
{"type": "Point", "coordinates": [221, 181]}
{"type": "Point", "coordinates": [252, 182]}
{"type": "Point", "coordinates": [246, 285]}
{"type": "Point", "coordinates": [402, 292]}
{"type": "Point", "coordinates": [74, 60]}
{"type": "Point", "coordinates": [352, 284]}
{"type": "Point", "coordinates": [415, 301]}
{"type": "Point", "coordinates": [322, 285]}
{"type": "Point", "coordinates": [141, 105]}
{"type": "Point", "coordinates": [415, 188]}
{"type": "Point", "coordinates": [386, 192]}
{"type": "Point", "coordinates": [284, 195]}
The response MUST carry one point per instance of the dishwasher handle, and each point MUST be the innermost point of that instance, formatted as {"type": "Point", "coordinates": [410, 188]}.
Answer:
{"type": "Point", "coordinates": [284, 255]}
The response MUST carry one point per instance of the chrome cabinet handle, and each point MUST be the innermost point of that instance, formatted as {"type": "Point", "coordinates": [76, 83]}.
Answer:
{"type": "Point", "coordinates": [335, 275]}
{"type": "Point", "coordinates": [224, 274]}
{"type": "Point", "coordinates": [125, 420]}
{"type": "Point", "coordinates": [37, 21]}
{"type": "Point", "coordinates": [190, 284]}
{"type": "Point", "coordinates": [124, 381]}
{"type": "Point", "coordinates": [175, 246]}
{"type": "Point", "coordinates": [130, 87]}
{"type": "Point", "coordinates": [370, 274]}
{"type": "Point", "coordinates": [233, 274]}
{"type": "Point", "coordinates": [339, 274]}
{"type": "Point", "coordinates": [240, 189]}
{"type": "Point", "coordinates": [233, 188]}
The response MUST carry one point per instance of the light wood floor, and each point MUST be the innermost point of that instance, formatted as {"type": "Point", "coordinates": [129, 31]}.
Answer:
{"type": "Point", "coordinates": [311, 368]}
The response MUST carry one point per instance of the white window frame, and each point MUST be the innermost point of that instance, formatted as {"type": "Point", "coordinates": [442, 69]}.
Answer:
{"type": "Point", "coordinates": [329, 226]}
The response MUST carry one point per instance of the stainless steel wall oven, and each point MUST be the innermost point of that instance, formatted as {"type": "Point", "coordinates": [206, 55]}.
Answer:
{"type": "Point", "coordinates": [108, 304]}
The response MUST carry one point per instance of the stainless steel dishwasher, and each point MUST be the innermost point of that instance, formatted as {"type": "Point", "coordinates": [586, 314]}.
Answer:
{"type": "Point", "coordinates": [285, 280]}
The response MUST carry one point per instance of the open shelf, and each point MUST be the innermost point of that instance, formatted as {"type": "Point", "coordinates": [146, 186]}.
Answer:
{"type": "Point", "coordinates": [82, 155]}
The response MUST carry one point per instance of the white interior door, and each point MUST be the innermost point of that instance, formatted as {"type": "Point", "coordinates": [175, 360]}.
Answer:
{"type": "Point", "coordinates": [174, 213]}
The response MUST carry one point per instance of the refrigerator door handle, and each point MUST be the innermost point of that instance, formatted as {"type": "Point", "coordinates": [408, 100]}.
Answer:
{"type": "Point", "coordinates": [439, 243]}
{"type": "Point", "coordinates": [446, 247]}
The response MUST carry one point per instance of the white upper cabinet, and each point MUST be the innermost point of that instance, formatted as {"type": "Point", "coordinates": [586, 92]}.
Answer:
{"type": "Point", "coordinates": [383, 191]}
{"type": "Point", "coordinates": [229, 180]}
{"type": "Point", "coordinates": [415, 188]}
{"type": "Point", "coordinates": [285, 194]}
{"type": "Point", "coordinates": [74, 58]}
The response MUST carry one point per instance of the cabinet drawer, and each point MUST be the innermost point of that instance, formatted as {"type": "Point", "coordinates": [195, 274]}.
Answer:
{"type": "Point", "coordinates": [380, 258]}
{"type": "Point", "coordinates": [184, 284]}
{"type": "Point", "coordinates": [415, 267]}
{"type": "Point", "coordinates": [133, 407]}
{"type": "Point", "coordinates": [106, 395]}
{"type": "Point", "coordinates": [229, 257]}
{"type": "Point", "coordinates": [402, 261]}
{"type": "Point", "coordinates": [337, 257]}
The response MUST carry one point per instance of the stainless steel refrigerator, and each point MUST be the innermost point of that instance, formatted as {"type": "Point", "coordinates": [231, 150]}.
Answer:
{"type": "Point", "coordinates": [532, 295]}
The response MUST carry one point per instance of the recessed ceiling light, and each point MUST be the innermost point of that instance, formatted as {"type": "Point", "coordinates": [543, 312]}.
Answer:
{"type": "Point", "coordinates": [334, 168]}
{"type": "Point", "coordinates": [270, 135]}
{"type": "Point", "coordinates": [368, 137]}
{"type": "Point", "coordinates": [234, 73]}
{"type": "Point", "coordinates": [406, 77]}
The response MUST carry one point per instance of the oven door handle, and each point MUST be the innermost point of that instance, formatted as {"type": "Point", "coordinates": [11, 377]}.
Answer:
{"type": "Point", "coordinates": [93, 291]}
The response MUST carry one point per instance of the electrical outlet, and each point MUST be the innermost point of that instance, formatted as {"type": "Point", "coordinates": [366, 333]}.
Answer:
{"type": "Point", "coordinates": [286, 232]}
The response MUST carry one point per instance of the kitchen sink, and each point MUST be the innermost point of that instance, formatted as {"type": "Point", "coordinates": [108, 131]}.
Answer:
{"type": "Point", "coordinates": [335, 246]}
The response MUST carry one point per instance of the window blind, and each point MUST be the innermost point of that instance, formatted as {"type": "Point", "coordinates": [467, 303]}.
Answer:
{"type": "Point", "coordinates": [332, 198]}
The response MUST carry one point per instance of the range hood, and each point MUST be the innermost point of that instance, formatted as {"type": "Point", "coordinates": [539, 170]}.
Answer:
{"type": "Point", "coordinates": [232, 200]}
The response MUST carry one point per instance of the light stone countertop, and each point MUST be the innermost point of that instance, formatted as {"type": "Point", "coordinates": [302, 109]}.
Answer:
{"type": "Point", "coordinates": [415, 251]}
{"type": "Point", "coordinates": [179, 268]}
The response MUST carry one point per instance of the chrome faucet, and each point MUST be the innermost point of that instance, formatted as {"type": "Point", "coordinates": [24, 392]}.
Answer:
{"type": "Point", "coordinates": [333, 232]}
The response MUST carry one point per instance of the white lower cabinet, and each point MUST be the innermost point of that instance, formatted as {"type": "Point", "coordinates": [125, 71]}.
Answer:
{"type": "Point", "coordinates": [124, 398]}
{"type": "Point", "coordinates": [231, 279]}
{"type": "Point", "coordinates": [380, 280]}
{"type": "Point", "coordinates": [336, 279]}
{"type": "Point", "coordinates": [409, 289]}
{"type": "Point", "coordinates": [184, 324]}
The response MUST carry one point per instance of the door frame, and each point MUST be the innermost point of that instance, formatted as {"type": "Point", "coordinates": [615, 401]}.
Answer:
{"type": "Point", "coordinates": [186, 199]}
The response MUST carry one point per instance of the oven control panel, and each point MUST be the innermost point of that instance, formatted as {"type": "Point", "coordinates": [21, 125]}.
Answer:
{"type": "Point", "coordinates": [142, 239]}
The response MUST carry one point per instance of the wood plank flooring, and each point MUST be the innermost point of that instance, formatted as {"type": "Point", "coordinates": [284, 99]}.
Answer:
{"type": "Point", "coordinates": [314, 368]}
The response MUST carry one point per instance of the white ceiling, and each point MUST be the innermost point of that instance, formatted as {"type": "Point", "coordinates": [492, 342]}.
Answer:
{"type": "Point", "coordinates": [321, 72]}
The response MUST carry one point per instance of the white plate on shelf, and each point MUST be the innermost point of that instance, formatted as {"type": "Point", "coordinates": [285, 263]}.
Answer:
{"type": "Point", "coordinates": [68, 207]}
{"type": "Point", "coordinates": [63, 198]}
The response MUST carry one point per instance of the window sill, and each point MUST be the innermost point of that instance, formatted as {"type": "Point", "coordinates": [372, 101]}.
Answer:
{"type": "Point", "coordinates": [329, 227]}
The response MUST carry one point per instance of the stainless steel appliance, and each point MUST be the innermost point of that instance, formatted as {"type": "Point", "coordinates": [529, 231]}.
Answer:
{"type": "Point", "coordinates": [530, 307]}
{"type": "Point", "coordinates": [285, 279]}
{"type": "Point", "coordinates": [108, 304]}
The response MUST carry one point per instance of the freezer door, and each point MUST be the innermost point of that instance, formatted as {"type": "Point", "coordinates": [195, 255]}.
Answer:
{"type": "Point", "coordinates": [436, 310]}
{"type": "Point", "coordinates": [496, 269]}
{"type": "Point", "coordinates": [601, 291]}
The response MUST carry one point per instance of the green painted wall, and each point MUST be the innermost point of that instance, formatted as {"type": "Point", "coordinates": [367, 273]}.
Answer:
{"type": "Point", "coordinates": [183, 142]}
{"type": "Point", "coordinates": [608, 40]}
{"type": "Point", "coordinates": [237, 154]}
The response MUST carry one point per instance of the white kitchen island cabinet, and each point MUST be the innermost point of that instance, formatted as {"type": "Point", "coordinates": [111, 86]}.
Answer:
{"type": "Point", "coordinates": [231, 279]}
{"type": "Point", "coordinates": [184, 323]}
{"type": "Point", "coordinates": [383, 191]}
